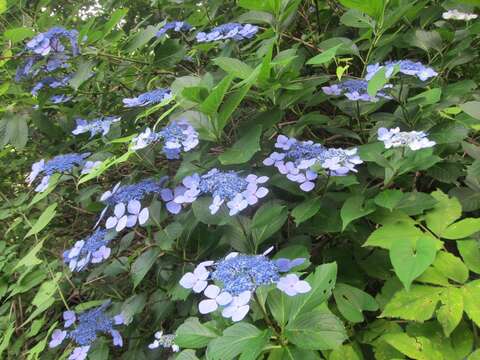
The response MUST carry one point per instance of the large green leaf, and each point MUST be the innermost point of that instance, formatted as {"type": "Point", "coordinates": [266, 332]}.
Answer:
{"type": "Point", "coordinates": [462, 229]}
{"type": "Point", "coordinates": [193, 334]}
{"type": "Point", "coordinates": [142, 37]}
{"type": "Point", "coordinates": [324, 57]}
{"type": "Point", "coordinates": [470, 251]}
{"type": "Point", "coordinates": [234, 67]}
{"type": "Point", "coordinates": [355, 208]}
{"type": "Point", "coordinates": [449, 314]}
{"type": "Point", "coordinates": [471, 294]}
{"type": "Point", "coordinates": [268, 219]}
{"type": "Point", "coordinates": [47, 215]}
{"type": "Point", "coordinates": [371, 7]}
{"type": "Point", "coordinates": [451, 267]}
{"type": "Point", "coordinates": [411, 258]}
{"type": "Point", "coordinates": [306, 210]}
{"type": "Point", "coordinates": [211, 104]}
{"type": "Point", "coordinates": [83, 73]}
{"type": "Point", "coordinates": [241, 339]}
{"type": "Point", "coordinates": [351, 302]}
{"type": "Point", "coordinates": [14, 130]}
{"type": "Point", "coordinates": [316, 330]}
{"type": "Point", "coordinates": [444, 212]}
{"type": "Point", "coordinates": [419, 347]}
{"type": "Point", "coordinates": [142, 265]}
{"type": "Point", "coordinates": [244, 149]}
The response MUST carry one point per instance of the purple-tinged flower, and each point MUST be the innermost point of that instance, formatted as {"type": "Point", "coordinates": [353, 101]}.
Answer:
{"type": "Point", "coordinates": [100, 125]}
{"type": "Point", "coordinates": [393, 138]}
{"type": "Point", "coordinates": [50, 41]}
{"type": "Point", "coordinates": [355, 90]}
{"type": "Point", "coordinates": [292, 285]}
{"type": "Point", "coordinates": [148, 98]}
{"type": "Point", "coordinates": [235, 278]}
{"type": "Point", "coordinates": [300, 160]}
{"type": "Point", "coordinates": [225, 188]}
{"type": "Point", "coordinates": [177, 26]}
{"type": "Point", "coordinates": [127, 216]}
{"type": "Point", "coordinates": [88, 325]}
{"type": "Point", "coordinates": [406, 67]}
{"type": "Point", "coordinates": [60, 99]}
{"type": "Point", "coordinates": [234, 31]}
{"type": "Point", "coordinates": [91, 250]}
{"type": "Point", "coordinates": [50, 82]}
{"type": "Point", "coordinates": [59, 164]}
{"type": "Point", "coordinates": [26, 69]}
{"type": "Point", "coordinates": [168, 197]}
{"type": "Point", "coordinates": [89, 167]}
{"type": "Point", "coordinates": [166, 341]}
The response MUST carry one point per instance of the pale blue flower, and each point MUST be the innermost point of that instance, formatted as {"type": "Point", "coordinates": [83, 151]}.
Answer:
{"type": "Point", "coordinates": [100, 125]}
{"type": "Point", "coordinates": [234, 31]}
{"type": "Point", "coordinates": [177, 26]}
{"type": "Point", "coordinates": [300, 160]}
{"type": "Point", "coordinates": [228, 188]}
{"type": "Point", "coordinates": [406, 67]}
{"type": "Point", "coordinates": [148, 98]}
{"type": "Point", "coordinates": [355, 90]}
{"type": "Point", "coordinates": [50, 82]}
{"type": "Point", "coordinates": [50, 41]}
{"type": "Point", "coordinates": [59, 99]}
{"type": "Point", "coordinates": [292, 285]}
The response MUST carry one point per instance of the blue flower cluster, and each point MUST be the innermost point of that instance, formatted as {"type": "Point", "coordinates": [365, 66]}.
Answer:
{"type": "Point", "coordinates": [234, 31]}
{"type": "Point", "coordinates": [59, 164]}
{"type": "Point", "coordinates": [177, 26]}
{"type": "Point", "coordinates": [407, 67]}
{"type": "Point", "coordinates": [96, 126]}
{"type": "Point", "coordinates": [393, 138]}
{"type": "Point", "coordinates": [236, 277]}
{"type": "Point", "coordinates": [87, 327]}
{"type": "Point", "coordinates": [126, 201]}
{"type": "Point", "coordinates": [225, 187]}
{"type": "Point", "coordinates": [47, 53]}
{"type": "Point", "coordinates": [355, 90]}
{"type": "Point", "coordinates": [178, 136]}
{"type": "Point", "coordinates": [93, 249]}
{"type": "Point", "coordinates": [300, 161]}
{"type": "Point", "coordinates": [148, 98]}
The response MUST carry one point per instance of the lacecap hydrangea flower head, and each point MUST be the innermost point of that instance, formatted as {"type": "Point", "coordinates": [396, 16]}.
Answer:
{"type": "Point", "coordinates": [100, 125]}
{"type": "Point", "coordinates": [300, 160]}
{"type": "Point", "coordinates": [234, 31]}
{"type": "Point", "coordinates": [127, 205]}
{"type": "Point", "coordinates": [393, 138]}
{"type": "Point", "coordinates": [176, 137]}
{"type": "Point", "coordinates": [166, 341]}
{"type": "Point", "coordinates": [148, 98]}
{"type": "Point", "coordinates": [230, 283]}
{"type": "Point", "coordinates": [176, 26]}
{"type": "Point", "coordinates": [355, 90]}
{"type": "Point", "coordinates": [50, 41]}
{"type": "Point", "coordinates": [86, 328]}
{"type": "Point", "coordinates": [406, 67]}
{"type": "Point", "coordinates": [63, 164]}
{"type": "Point", "coordinates": [225, 187]}
{"type": "Point", "coordinates": [91, 250]}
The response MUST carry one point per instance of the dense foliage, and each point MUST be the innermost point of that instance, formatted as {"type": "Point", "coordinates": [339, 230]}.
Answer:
{"type": "Point", "coordinates": [252, 179]}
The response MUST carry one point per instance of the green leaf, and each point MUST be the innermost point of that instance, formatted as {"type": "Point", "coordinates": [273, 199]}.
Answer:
{"type": "Point", "coordinates": [417, 304]}
{"type": "Point", "coordinates": [47, 215]}
{"type": "Point", "coordinates": [344, 352]}
{"type": "Point", "coordinates": [351, 302]}
{"type": "Point", "coordinates": [357, 19]}
{"type": "Point", "coordinates": [388, 198]}
{"type": "Point", "coordinates": [451, 267]}
{"type": "Point", "coordinates": [132, 306]}
{"type": "Point", "coordinates": [354, 208]}
{"type": "Point", "coordinates": [116, 17]}
{"type": "Point", "coordinates": [377, 82]}
{"type": "Point", "coordinates": [316, 330]}
{"type": "Point", "coordinates": [471, 294]}
{"type": "Point", "coordinates": [444, 212]}
{"type": "Point", "coordinates": [428, 97]}
{"type": "Point", "coordinates": [142, 37]}
{"type": "Point", "coordinates": [233, 67]}
{"type": "Point", "coordinates": [14, 130]}
{"type": "Point", "coordinates": [187, 355]}
{"type": "Point", "coordinates": [193, 334]}
{"type": "Point", "coordinates": [244, 149]}
{"type": "Point", "coordinates": [324, 57]}
{"type": "Point", "coordinates": [472, 108]}
{"type": "Point", "coordinates": [18, 34]}
{"type": "Point", "coordinates": [292, 352]}
{"type": "Point", "coordinates": [418, 347]}
{"type": "Point", "coordinates": [470, 251]}
{"type": "Point", "coordinates": [239, 339]}
{"type": "Point", "coordinates": [31, 259]}
{"type": "Point", "coordinates": [371, 7]}
{"type": "Point", "coordinates": [202, 213]}
{"type": "Point", "coordinates": [462, 229]}
{"type": "Point", "coordinates": [212, 102]}
{"type": "Point", "coordinates": [229, 106]}
{"type": "Point", "coordinates": [83, 73]}
{"type": "Point", "coordinates": [411, 258]}
{"type": "Point", "coordinates": [142, 265]}
{"type": "Point", "coordinates": [306, 210]}
{"type": "Point", "coordinates": [449, 314]}
{"type": "Point", "coordinates": [268, 219]}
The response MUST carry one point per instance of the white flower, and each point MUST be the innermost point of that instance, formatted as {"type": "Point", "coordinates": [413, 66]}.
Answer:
{"type": "Point", "coordinates": [458, 15]}
{"type": "Point", "coordinates": [136, 212]}
{"type": "Point", "coordinates": [215, 205]}
{"type": "Point", "coordinates": [237, 204]}
{"type": "Point", "coordinates": [89, 166]}
{"type": "Point", "coordinates": [197, 281]}
{"type": "Point", "coordinates": [43, 184]}
{"type": "Point", "coordinates": [119, 220]}
{"type": "Point", "coordinates": [109, 193]}
{"type": "Point", "coordinates": [238, 308]}
{"type": "Point", "coordinates": [292, 285]}
{"type": "Point", "coordinates": [37, 168]}
{"type": "Point", "coordinates": [215, 298]}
